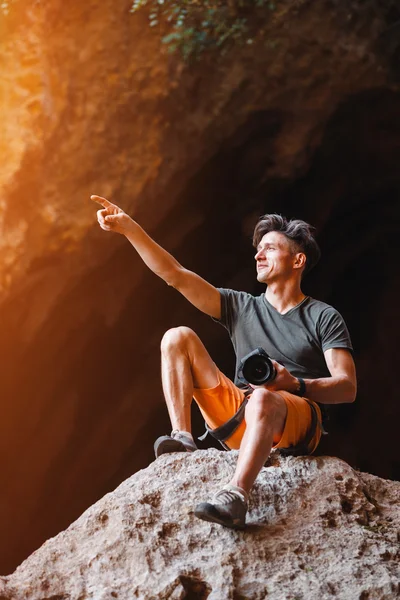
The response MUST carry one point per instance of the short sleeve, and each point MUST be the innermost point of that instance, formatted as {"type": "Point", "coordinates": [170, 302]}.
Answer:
{"type": "Point", "coordinates": [333, 331]}
{"type": "Point", "coordinates": [232, 303]}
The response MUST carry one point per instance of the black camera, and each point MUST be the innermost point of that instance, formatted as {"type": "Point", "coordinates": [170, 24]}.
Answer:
{"type": "Point", "coordinates": [257, 368]}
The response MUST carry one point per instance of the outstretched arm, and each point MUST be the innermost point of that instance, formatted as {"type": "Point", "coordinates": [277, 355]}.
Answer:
{"type": "Point", "coordinates": [197, 290]}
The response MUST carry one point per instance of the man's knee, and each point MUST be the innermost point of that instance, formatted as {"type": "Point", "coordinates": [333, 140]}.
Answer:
{"type": "Point", "coordinates": [265, 404]}
{"type": "Point", "coordinates": [176, 338]}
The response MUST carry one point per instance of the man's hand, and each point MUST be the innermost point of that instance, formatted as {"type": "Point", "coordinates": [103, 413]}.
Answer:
{"type": "Point", "coordinates": [283, 380]}
{"type": "Point", "coordinates": [113, 218]}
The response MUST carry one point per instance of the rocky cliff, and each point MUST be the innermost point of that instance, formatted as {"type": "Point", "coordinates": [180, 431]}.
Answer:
{"type": "Point", "coordinates": [303, 121]}
{"type": "Point", "coordinates": [316, 529]}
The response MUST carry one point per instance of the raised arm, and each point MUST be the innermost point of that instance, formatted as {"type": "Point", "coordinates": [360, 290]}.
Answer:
{"type": "Point", "coordinates": [197, 290]}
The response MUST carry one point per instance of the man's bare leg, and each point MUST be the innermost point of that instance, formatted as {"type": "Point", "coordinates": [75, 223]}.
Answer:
{"type": "Point", "coordinates": [185, 364]}
{"type": "Point", "coordinates": [265, 418]}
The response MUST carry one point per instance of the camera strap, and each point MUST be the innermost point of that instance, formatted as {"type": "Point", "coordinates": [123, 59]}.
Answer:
{"type": "Point", "coordinates": [224, 431]}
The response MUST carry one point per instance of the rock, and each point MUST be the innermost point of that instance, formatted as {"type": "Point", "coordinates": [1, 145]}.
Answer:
{"type": "Point", "coordinates": [316, 529]}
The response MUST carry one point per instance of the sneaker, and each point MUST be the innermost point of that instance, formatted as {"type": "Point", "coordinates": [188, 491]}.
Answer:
{"type": "Point", "coordinates": [228, 508]}
{"type": "Point", "coordinates": [178, 441]}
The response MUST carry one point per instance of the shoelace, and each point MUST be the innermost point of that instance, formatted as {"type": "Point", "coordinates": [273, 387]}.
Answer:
{"type": "Point", "coordinates": [227, 496]}
{"type": "Point", "coordinates": [180, 436]}
{"type": "Point", "coordinates": [184, 439]}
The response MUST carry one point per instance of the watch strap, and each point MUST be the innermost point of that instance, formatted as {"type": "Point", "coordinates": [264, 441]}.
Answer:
{"type": "Point", "coordinates": [302, 389]}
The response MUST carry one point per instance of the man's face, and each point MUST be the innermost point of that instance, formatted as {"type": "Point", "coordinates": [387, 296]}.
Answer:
{"type": "Point", "coordinates": [275, 260]}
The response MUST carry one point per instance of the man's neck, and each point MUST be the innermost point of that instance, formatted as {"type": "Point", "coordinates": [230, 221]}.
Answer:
{"type": "Point", "coordinates": [284, 296]}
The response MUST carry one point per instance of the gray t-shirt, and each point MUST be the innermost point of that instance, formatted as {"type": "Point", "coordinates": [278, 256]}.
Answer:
{"type": "Point", "coordinates": [297, 339]}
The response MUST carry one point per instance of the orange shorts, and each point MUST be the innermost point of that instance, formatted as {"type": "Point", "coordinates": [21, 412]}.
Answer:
{"type": "Point", "coordinates": [220, 403]}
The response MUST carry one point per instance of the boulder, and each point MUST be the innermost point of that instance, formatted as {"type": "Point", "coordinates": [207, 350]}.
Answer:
{"type": "Point", "coordinates": [316, 529]}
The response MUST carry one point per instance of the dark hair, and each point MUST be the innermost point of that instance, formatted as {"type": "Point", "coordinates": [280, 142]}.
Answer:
{"type": "Point", "coordinates": [299, 233]}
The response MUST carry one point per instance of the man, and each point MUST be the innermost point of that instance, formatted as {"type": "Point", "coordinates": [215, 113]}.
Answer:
{"type": "Point", "coordinates": [307, 340]}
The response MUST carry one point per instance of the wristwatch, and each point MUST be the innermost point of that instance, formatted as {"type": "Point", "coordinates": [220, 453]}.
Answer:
{"type": "Point", "coordinates": [302, 387]}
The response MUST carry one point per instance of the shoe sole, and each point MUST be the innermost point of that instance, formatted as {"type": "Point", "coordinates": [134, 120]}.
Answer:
{"type": "Point", "coordinates": [208, 512]}
{"type": "Point", "coordinates": [166, 444]}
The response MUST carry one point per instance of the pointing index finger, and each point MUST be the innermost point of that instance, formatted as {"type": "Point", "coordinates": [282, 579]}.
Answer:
{"type": "Point", "coordinates": [100, 200]}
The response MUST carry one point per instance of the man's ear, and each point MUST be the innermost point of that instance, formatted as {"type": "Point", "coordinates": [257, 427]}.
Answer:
{"type": "Point", "coordinates": [299, 260]}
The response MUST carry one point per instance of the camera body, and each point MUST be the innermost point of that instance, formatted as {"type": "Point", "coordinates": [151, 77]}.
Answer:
{"type": "Point", "coordinates": [256, 368]}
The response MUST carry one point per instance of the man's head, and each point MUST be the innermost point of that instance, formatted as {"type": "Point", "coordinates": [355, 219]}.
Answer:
{"type": "Point", "coordinates": [284, 248]}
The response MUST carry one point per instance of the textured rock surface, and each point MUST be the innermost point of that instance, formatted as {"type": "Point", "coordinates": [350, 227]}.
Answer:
{"type": "Point", "coordinates": [304, 121]}
{"type": "Point", "coordinates": [316, 529]}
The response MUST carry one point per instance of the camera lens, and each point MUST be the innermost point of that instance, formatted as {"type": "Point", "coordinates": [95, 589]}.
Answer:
{"type": "Point", "coordinates": [258, 369]}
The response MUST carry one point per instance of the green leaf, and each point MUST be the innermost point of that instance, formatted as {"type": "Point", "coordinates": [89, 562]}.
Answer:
{"type": "Point", "coordinates": [167, 39]}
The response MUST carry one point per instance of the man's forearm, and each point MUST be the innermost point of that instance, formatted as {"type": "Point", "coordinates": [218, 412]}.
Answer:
{"type": "Point", "coordinates": [153, 255]}
{"type": "Point", "coordinates": [330, 390]}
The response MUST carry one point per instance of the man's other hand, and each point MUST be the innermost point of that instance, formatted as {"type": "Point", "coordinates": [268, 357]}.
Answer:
{"type": "Point", "coordinates": [283, 380]}
{"type": "Point", "coordinates": [111, 217]}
